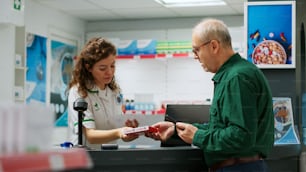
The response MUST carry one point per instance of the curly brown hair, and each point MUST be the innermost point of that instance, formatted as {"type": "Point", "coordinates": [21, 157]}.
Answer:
{"type": "Point", "coordinates": [94, 50]}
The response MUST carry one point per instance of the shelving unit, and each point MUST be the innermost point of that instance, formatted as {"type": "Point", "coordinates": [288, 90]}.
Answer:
{"type": "Point", "coordinates": [20, 64]}
{"type": "Point", "coordinates": [156, 56]}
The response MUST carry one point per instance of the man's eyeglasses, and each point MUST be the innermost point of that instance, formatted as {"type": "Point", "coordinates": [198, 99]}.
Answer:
{"type": "Point", "coordinates": [195, 50]}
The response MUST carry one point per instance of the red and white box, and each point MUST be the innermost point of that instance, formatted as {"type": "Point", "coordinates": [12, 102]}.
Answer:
{"type": "Point", "coordinates": [140, 130]}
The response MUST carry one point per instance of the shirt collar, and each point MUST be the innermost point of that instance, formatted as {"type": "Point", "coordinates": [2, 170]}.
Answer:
{"type": "Point", "coordinates": [95, 89]}
{"type": "Point", "coordinates": [231, 61]}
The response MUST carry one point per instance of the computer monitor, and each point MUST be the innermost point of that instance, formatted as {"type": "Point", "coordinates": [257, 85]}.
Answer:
{"type": "Point", "coordinates": [189, 113]}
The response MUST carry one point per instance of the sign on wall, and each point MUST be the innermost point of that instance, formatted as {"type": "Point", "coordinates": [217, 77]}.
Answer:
{"type": "Point", "coordinates": [270, 33]}
{"type": "Point", "coordinates": [62, 55]}
{"type": "Point", "coordinates": [36, 68]}
{"type": "Point", "coordinates": [284, 130]}
{"type": "Point", "coordinates": [17, 5]}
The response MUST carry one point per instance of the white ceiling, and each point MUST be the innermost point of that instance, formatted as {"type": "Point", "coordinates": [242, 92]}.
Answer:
{"type": "Point", "coordinates": [95, 10]}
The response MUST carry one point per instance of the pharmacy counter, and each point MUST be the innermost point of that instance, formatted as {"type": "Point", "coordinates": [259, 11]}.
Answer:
{"type": "Point", "coordinates": [157, 159]}
{"type": "Point", "coordinates": [149, 159]}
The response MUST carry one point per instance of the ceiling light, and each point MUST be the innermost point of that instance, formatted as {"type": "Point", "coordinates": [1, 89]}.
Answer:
{"type": "Point", "coordinates": [190, 3]}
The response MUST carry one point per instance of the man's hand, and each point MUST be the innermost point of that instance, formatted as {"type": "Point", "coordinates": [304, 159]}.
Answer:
{"type": "Point", "coordinates": [186, 131]}
{"type": "Point", "coordinates": [165, 131]}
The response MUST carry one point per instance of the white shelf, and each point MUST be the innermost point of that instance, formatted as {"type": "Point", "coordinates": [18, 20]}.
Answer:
{"type": "Point", "coordinates": [20, 69]}
{"type": "Point", "coordinates": [65, 159]}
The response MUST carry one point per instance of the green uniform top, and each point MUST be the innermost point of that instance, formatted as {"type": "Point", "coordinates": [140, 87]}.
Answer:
{"type": "Point", "coordinates": [241, 115]}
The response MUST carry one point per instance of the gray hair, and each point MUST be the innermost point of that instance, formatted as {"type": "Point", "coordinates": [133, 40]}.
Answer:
{"type": "Point", "coordinates": [209, 29]}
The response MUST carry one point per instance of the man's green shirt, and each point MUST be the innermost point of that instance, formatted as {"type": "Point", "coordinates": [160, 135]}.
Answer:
{"type": "Point", "coordinates": [241, 115]}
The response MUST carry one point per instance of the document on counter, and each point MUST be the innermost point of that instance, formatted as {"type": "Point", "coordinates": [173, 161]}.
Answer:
{"type": "Point", "coordinates": [284, 129]}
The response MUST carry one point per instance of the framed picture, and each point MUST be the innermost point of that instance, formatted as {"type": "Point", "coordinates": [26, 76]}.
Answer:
{"type": "Point", "coordinates": [270, 33]}
{"type": "Point", "coordinates": [284, 128]}
{"type": "Point", "coordinates": [63, 48]}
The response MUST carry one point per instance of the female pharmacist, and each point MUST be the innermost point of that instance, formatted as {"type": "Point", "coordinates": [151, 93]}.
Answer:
{"type": "Point", "coordinates": [93, 80]}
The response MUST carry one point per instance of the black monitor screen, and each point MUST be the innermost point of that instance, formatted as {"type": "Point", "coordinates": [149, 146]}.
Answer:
{"type": "Point", "coordinates": [188, 113]}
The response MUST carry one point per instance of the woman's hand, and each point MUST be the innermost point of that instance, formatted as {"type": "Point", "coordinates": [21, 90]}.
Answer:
{"type": "Point", "coordinates": [131, 123]}
{"type": "Point", "coordinates": [128, 137]}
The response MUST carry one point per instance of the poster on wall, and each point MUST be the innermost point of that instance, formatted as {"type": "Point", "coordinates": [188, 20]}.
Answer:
{"type": "Point", "coordinates": [284, 130]}
{"type": "Point", "coordinates": [62, 59]}
{"type": "Point", "coordinates": [36, 69]}
{"type": "Point", "coordinates": [270, 33]}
